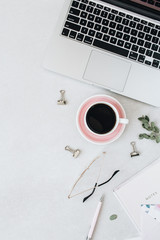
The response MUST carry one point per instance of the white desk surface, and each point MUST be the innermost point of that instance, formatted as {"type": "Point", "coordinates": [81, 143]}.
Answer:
{"type": "Point", "coordinates": [36, 173]}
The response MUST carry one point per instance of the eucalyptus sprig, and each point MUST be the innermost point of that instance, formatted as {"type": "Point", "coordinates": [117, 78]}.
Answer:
{"type": "Point", "coordinates": [151, 127]}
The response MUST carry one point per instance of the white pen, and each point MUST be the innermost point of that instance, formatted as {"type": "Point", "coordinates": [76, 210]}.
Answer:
{"type": "Point", "coordinates": [95, 218]}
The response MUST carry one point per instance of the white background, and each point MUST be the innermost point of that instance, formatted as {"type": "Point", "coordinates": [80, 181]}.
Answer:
{"type": "Point", "coordinates": [36, 173]}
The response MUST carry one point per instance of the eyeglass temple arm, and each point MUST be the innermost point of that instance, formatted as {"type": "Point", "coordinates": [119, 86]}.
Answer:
{"type": "Point", "coordinates": [100, 185]}
{"type": "Point", "coordinates": [91, 193]}
{"type": "Point", "coordinates": [109, 178]}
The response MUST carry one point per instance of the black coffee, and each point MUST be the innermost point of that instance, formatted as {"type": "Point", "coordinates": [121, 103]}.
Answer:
{"type": "Point", "coordinates": [101, 118]}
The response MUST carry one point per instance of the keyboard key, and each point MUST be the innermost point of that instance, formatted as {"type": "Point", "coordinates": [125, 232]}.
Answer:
{"type": "Point", "coordinates": [84, 30]}
{"type": "Point", "coordinates": [157, 4]}
{"type": "Point", "coordinates": [72, 26]}
{"type": "Point", "coordinates": [111, 16]}
{"type": "Point", "coordinates": [149, 53]}
{"type": "Point", "coordinates": [151, 24]}
{"type": "Point", "coordinates": [112, 25]}
{"type": "Point", "coordinates": [148, 37]}
{"type": "Point", "coordinates": [85, 1]}
{"type": "Point", "coordinates": [83, 22]}
{"type": "Point", "coordinates": [127, 45]}
{"type": "Point", "coordinates": [155, 40]}
{"type": "Point", "coordinates": [80, 37]}
{"type": "Point", "coordinates": [112, 32]}
{"type": "Point", "coordinates": [75, 4]}
{"type": "Point", "coordinates": [132, 24]}
{"type": "Point", "coordinates": [125, 21]}
{"type": "Point", "coordinates": [142, 50]}
{"type": "Point", "coordinates": [158, 27]}
{"type": "Point", "coordinates": [154, 47]}
{"type": "Point", "coordinates": [88, 40]}
{"type": "Point", "coordinates": [140, 42]}
{"type": "Point", "coordinates": [146, 29]}
{"type": "Point", "coordinates": [83, 14]}
{"type": "Point", "coordinates": [156, 55]}
{"type": "Point", "coordinates": [92, 3]}
{"type": "Point", "coordinates": [114, 11]}
{"type": "Point", "coordinates": [98, 19]}
{"type": "Point", "coordinates": [104, 29]}
{"type": "Point", "coordinates": [126, 37]}
{"type": "Point", "coordinates": [90, 24]}
{"type": "Point", "coordinates": [105, 22]}
{"type": "Point", "coordinates": [91, 17]}
{"type": "Point", "coordinates": [72, 34]}
{"type": "Point", "coordinates": [89, 9]}
{"type": "Point", "coordinates": [119, 27]}
{"type": "Point", "coordinates": [154, 32]}
{"type": "Point", "coordinates": [133, 39]}
{"type": "Point", "coordinates": [74, 11]}
{"type": "Point", "coordinates": [133, 55]}
{"type": "Point", "coordinates": [65, 32]}
{"type": "Point", "coordinates": [121, 14]}
{"type": "Point", "coordinates": [147, 62]}
{"type": "Point", "coordinates": [96, 11]}
{"type": "Point", "coordinates": [141, 58]}
{"type": "Point", "coordinates": [107, 9]}
{"type": "Point", "coordinates": [104, 14]}
{"type": "Point", "coordinates": [129, 16]}
{"type": "Point", "coordinates": [134, 48]}
{"type": "Point", "coordinates": [119, 34]}
{"type": "Point", "coordinates": [151, 2]}
{"type": "Point", "coordinates": [82, 6]}
{"type": "Point", "coordinates": [139, 26]}
{"type": "Point", "coordinates": [144, 22]}
{"type": "Point", "coordinates": [147, 44]}
{"type": "Point", "coordinates": [99, 35]}
{"type": "Point", "coordinates": [111, 48]}
{"type": "Point", "coordinates": [99, 6]}
{"type": "Point", "coordinates": [118, 19]}
{"type": "Point", "coordinates": [136, 19]}
{"type": "Point", "coordinates": [91, 33]}
{"type": "Point", "coordinates": [134, 32]}
{"type": "Point", "coordinates": [113, 40]}
{"type": "Point", "coordinates": [97, 27]}
{"type": "Point", "coordinates": [127, 29]}
{"type": "Point", "coordinates": [120, 43]}
{"type": "Point", "coordinates": [106, 38]}
{"type": "Point", "coordinates": [141, 35]}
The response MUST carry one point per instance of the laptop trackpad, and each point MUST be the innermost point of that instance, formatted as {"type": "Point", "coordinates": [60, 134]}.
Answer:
{"type": "Point", "coordinates": [107, 71]}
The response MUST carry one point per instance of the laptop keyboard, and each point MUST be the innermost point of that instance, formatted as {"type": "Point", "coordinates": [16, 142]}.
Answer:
{"type": "Point", "coordinates": [117, 32]}
{"type": "Point", "coordinates": [152, 2]}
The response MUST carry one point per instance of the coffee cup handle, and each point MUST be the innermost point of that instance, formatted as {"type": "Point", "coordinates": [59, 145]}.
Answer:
{"type": "Point", "coordinates": [123, 121]}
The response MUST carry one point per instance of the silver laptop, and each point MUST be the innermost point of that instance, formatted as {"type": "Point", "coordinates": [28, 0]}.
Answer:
{"type": "Point", "coordinates": [114, 44]}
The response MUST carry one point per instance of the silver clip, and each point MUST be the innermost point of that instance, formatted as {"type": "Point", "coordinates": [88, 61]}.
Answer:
{"type": "Point", "coordinates": [62, 101]}
{"type": "Point", "coordinates": [74, 152]}
{"type": "Point", "coordinates": [135, 152]}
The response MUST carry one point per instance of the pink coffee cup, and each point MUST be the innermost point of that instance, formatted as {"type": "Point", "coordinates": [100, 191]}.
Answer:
{"type": "Point", "coordinates": [101, 119]}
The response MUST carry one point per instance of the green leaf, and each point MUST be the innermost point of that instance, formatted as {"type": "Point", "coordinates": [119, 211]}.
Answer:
{"type": "Point", "coordinates": [157, 138]}
{"type": "Point", "coordinates": [144, 121]}
{"type": "Point", "coordinates": [146, 126]}
{"type": "Point", "coordinates": [152, 134]}
{"type": "Point", "coordinates": [113, 217]}
{"type": "Point", "coordinates": [156, 129]}
{"type": "Point", "coordinates": [141, 136]}
{"type": "Point", "coordinates": [153, 137]}
{"type": "Point", "coordinates": [147, 118]}
{"type": "Point", "coordinates": [141, 118]}
{"type": "Point", "coordinates": [144, 135]}
{"type": "Point", "coordinates": [152, 124]}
